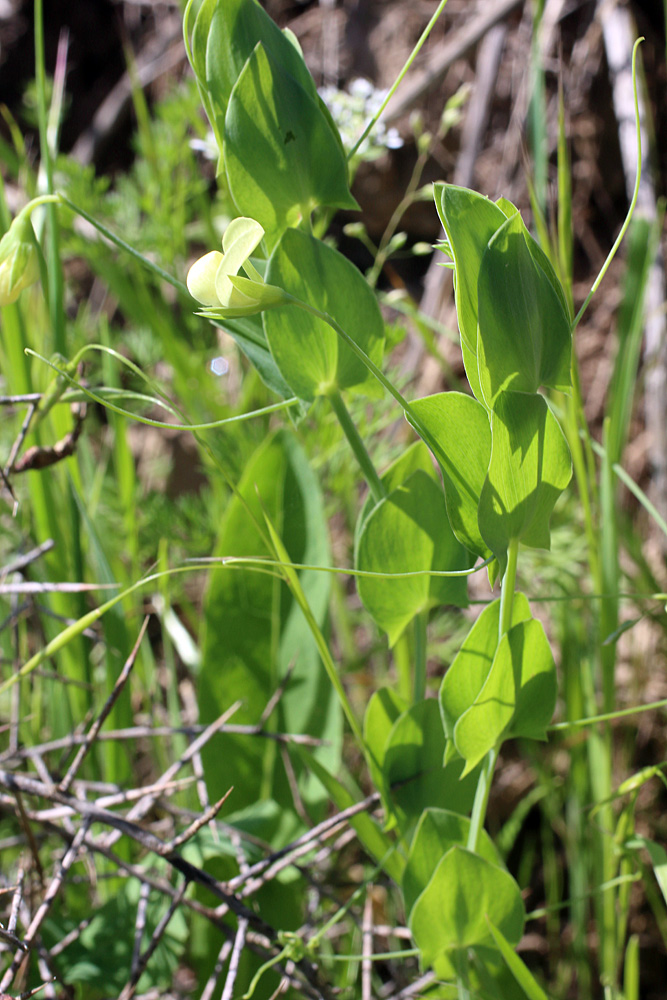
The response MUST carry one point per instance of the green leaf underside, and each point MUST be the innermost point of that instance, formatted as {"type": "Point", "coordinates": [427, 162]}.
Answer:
{"type": "Point", "coordinates": [524, 338]}
{"type": "Point", "coordinates": [459, 427]}
{"type": "Point", "coordinates": [530, 466]}
{"type": "Point", "coordinates": [438, 830]}
{"type": "Point", "coordinates": [308, 352]}
{"type": "Point", "coordinates": [416, 456]}
{"type": "Point", "coordinates": [413, 770]}
{"type": "Point", "coordinates": [471, 666]}
{"type": "Point", "coordinates": [518, 696]}
{"type": "Point", "coordinates": [451, 913]}
{"type": "Point", "coordinates": [470, 220]}
{"type": "Point", "coordinates": [407, 532]}
{"type": "Point", "coordinates": [254, 632]}
{"type": "Point", "coordinates": [248, 333]}
{"type": "Point", "coordinates": [230, 31]}
{"type": "Point", "coordinates": [383, 710]}
{"type": "Point", "coordinates": [281, 157]}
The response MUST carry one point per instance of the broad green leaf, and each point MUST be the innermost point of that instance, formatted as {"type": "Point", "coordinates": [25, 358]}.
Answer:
{"type": "Point", "coordinates": [518, 696]}
{"type": "Point", "coordinates": [470, 668]}
{"type": "Point", "coordinates": [451, 913]}
{"type": "Point", "coordinates": [470, 220]}
{"type": "Point", "coordinates": [530, 467]}
{"type": "Point", "coordinates": [522, 974]}
{"type": "Point", "coordinates": [416, 456]}
{"type": "Point", "coordinates": [382, 711]}
{"type": "Point", "coordinates": [308, 352]}
{"type": "Point", "coordinates": [438, 830]}
{"type": "Point", "coordinates": [406, 532]}
{"type": "Point", "coordinates": [460, 431]}
{"type": "Point", "coordinates": [506, 206]}
{"type": "Point", "coordinates": [254, 631]}
{"type": "Point", "coordinates": [524, 339]}
{"type": "Point", "coordinates": [413, 768]}
{"type": "Point", "coordinates": [248, 333]}
{"type": "Point", "coordinates": [374, 840]}
{"type": "Point", "coordinates": [230, 30]}
{"type": "Point", "coordinates": [281, 157]}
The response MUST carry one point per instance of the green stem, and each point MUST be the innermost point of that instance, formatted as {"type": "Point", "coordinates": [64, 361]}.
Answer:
{"type": "Point", "coordinates": [397, 82]}
{"type": "Point", "coordinates": [350, 431]}
{"type": "Point", "coordinates": [122, 245]}
{"type": "Point", "coordinates": [481, 802]}
{"type": "Point", "coordinates": [421, 621]}
{"type": "Point", "coordinates": [507, 592]}
{"type": "Point", "coordinates": [486, 774]}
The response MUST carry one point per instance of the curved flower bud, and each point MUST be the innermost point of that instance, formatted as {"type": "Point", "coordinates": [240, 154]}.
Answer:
{"type": "Point", "coordinates": [19, 263]}
{"type": "Point", "coordinates": [214, 279]}
{"type": "Point", "coordinates": [201, 278]}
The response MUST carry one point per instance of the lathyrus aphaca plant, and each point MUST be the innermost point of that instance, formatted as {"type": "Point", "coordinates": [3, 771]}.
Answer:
{"type": "Point", "coordinates": [308, 320]}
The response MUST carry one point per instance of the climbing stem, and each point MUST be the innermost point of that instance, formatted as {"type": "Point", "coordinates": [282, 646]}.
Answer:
{"type": "Point", "coordinates": [507, 592]}
{"type": "Point", "coordinates": [421, 621]}
{"type": "Point", "coordinates": [481, 802]}
{"type": "Point", "coordinates": [350, 431]}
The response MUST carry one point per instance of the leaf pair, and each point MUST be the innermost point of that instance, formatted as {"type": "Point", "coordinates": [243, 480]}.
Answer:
{"type": "Point", "coordinates": [279, 147]}
{"type": "Point", "coordinates": [512, 311]}
{"type": "Point", "coordinates": [502, 472]}
{"type": "Point", "coordinates": [496, 690]}
{"type": "Point", "coordinates": [451, 894]}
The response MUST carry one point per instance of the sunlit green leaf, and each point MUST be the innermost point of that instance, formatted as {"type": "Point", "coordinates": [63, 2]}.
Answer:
{"type": "Point", "coordinates": [406, 532]}
{"type": "Point", "coordinates": [530, 467]}
{"type": "Point", "coordinates": [281, 157]}
{"type": "Point", "coordinates": [524, 338]}
{"type": "Point", "coordinates": [470, 668]}
{"type": "Point", "coordinates": [438, 830]}
{"type": "Point", "coordinates": [469, 220]}
{"type": "Point", "coordinates": [308, 352]}
{"type": "Point", "coordinates": [459, 428]}
{"type": "Point", "coordinates": [451, 913]}
{"type": "Point", "coordinates": [517, 698]}
{"type": "Point", "coordinates": [413, 768]}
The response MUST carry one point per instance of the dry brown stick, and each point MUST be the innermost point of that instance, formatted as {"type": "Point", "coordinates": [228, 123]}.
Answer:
{"type": "Point", "coordinates": [106, 709]}
{"type": "Point", "coordinates": [146, 803]}
{"type": "Point", "coordinates": [21, 562]}
{"type": "Point", "coordinates": [44, 907]}
{"type": "Point", "coordinates": [367, 946]}
{"type": "Point", "coordinates": [18, 783]}
{"type": "Point", "coordinates": [22, 397]}
{"type": "Point", "coordinates": [239, 944]}
{"type": "Point", "coordinates": [212, 981]}
{"type": "Point", "coordinates": [16, 901]}
{"type": "Point", "coordinates": [70, 938]}
{"type": "Point", "coordinates": [30, 837]}
{"type": "Point", "coordinates": [63, 587]}
{"type": "Point", "coordinates": [15, 699]}
{"type": "Point", "coordinates": [140, 732]}
{"type": "Point", "coordinates": [27, 420]}
{"type": "Point", "coordinates": [129, 989]}
{"type": "Point", "coordinates": [43, 456]}
{"type": "Point", "coordinates": [308, 838]}
{"type": "Point", "coordinates": [194, 827]}
{"type": "Point", "coordinates": [139, 926]}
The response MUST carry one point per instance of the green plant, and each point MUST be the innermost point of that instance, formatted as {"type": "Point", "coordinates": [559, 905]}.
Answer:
{"type": "Point", "coordinates": [311, 325]}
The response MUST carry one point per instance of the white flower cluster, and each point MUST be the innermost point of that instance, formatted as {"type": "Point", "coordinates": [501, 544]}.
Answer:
{"type": "Point", "coordinates": [351, 111]}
